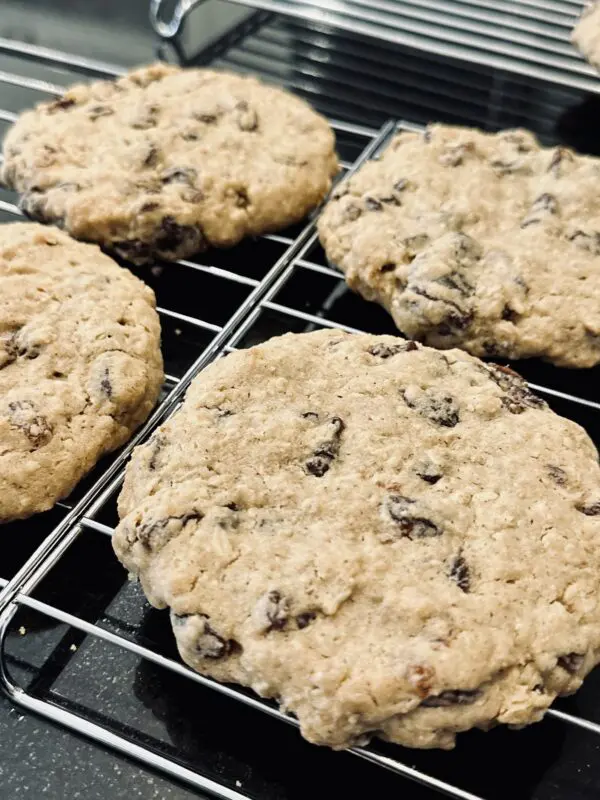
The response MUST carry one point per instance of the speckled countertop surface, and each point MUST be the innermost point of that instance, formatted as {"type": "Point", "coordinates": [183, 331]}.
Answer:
{"type": "Point", "coordinates": [40, 760]}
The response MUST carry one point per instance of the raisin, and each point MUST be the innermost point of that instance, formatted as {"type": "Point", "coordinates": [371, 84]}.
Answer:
{"type": "Point", "coordinates": [158, 443]}
{"type": "Point", "coordinates": [452, 697]}
{"type": "Point", "coordinates": [457, 282]}
{"type": "Point", "coordinates": [151, 158]}
{"type": "Point", "coordinates": [18, 345]}
{"type": "Point", "coordinates": [389, 267]}
{"type": "Point", "coordinates": [241, 198]}
{"type": "Point", "coordinates": [557, 474]}
{"type": "Point", "coordinates": [466, 248]}
{"type": "Point", "coordinates": [441, 409]}
{"type": "Point", "coordinates": [209, 644]}
{"type": "Point", "coordinates": [151, 206]}
{"type": "Point", "coordinates": [544, 204]}
{"type": "Point", "coordinates": [148, 118]}
{"type": "Point", "coordinates": [271, 612]}
{"type": "Point", "coordinates": [304, 620]}
{"type": "Point", "coordinates": [372, 204]}
{"type": "Point", "coordinates": [389, 350]}
{"type": "Point", "coordinates": [408, 525]}
{"type": "Point", "coordinates": [491, 349]}
{"type": "Point", "coordinates": [351, 213]}
{"type": "Point", "coordinates": [591, 510]}
{"type": "Point", "coordinates": [33, 205]}
{"type": "Point", "coordinates": [327, 451]}
{"type": "Point", "coordinates": [456, 317]}
{"type": "Point", "coordinates": [454, 156]}
{"type": "Point", "coordinates": [508, 314]}
{"type": "Point", "coordinates": [318, 465]}
{"type": "Point", "coordinates": [179, 175]}
{"type": "Point", "coordinates": [172, 236]}
{"type": "Point", "coordinates": [24, 416]}
{"type": "Point", "coordinates": [133, 249]}
{"type": "Point", "coordinates": [504, 167]}
{"type": "Point", "coordinates": [390, 200]}
{"type": "Point", "coordinates": [62, 104]}
{"type": "Point", "coordinates": [105, 384]}
{"type": "Point", "coordinates": [153, 536]}
{"type": "Point", "coordinates": [453, 323]}
{"type": "Point", "coordinates": [429, 472]}
{"type": "Point", "coordinates": [207, 117]}
{"type": "Point", "coordinates": [559, 155]}
{"type": "Point", "coordinates": [571, 662]}
{"type": "Point", "coordinates": [587, 241]}
{"type": "Point", "coordinates": [460, 573]}
{"type": "Point", "coordinates": [100, 111]}
{"type": "Point", "coordinates": [10, 349]}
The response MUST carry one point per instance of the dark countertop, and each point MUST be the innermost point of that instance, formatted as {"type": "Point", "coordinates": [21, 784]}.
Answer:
{"type": "Point", "coordinates": [41, 760]}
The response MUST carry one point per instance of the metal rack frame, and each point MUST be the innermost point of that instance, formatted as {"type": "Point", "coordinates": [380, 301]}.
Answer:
{"type": "Point", "coordinates": [525, 37]}
{"type": "Point", "coordinates": [80, 520]}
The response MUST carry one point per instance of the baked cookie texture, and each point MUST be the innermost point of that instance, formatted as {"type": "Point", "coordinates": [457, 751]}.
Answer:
{"type": "Point", "coordinates": [389, 539]}
{"type": "Point", "coordinates": [586, 34]}
{"type": "Point", "coordinates": [487, 242]}
{"type": "Point", "coordinates": [80, 363]}
{"type": "Point", "coordinates": [167, 161]}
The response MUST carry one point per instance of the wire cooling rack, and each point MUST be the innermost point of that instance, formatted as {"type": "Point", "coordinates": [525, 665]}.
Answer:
{"type": "Point", "coordinates": [80, 646]}
{"type": "Point", "coordinates": [527, 37]}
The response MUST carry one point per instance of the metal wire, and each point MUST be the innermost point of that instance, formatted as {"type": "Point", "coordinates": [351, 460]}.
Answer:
{"type": "Point", "coordinates": [526, 37]}
{"type": "Point", "coordinates": [80, 521]}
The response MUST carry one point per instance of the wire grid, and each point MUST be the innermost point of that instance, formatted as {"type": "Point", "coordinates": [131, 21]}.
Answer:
{"type": "Point", "coordinates": [526, 37]}
{"type": "Point", "coordinates": [272, 303]}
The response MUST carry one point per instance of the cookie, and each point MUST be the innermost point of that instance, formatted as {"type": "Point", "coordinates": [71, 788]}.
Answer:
{"type": "Point", "coordinates": [166, 161]}
{"type": "Point", "coordinates": [80, 363]}
{"type": "Point", "coordinates": [388, 539]}
{"type": "Point", "coordinates": [487, 242]}
{"type": "Point", "coordinates": [586, 34]}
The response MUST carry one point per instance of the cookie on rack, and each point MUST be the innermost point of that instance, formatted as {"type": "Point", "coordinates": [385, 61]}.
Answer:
{"type": "Point", "coordinates": [586, 34]}
{"type": "Point", "coordinates": [80, 363]}
{"type": "Point", "coordinates": [391, 540]}
{"type": "Point", "coordinates": [166, 161]}
{"type": "Point", "coordinates": [488, 242]}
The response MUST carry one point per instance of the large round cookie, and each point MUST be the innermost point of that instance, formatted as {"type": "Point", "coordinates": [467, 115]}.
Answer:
{"type": "Point", "coordinates": [80, 363]}
{"type": "Point", "coordinates": [390, 540]}
{"type": "Point", "coordinates": [586, 34]}
{"type": "Point", "coordinates": [484, 241]}
{"type": "Point", "coordinates": [167, 161]}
